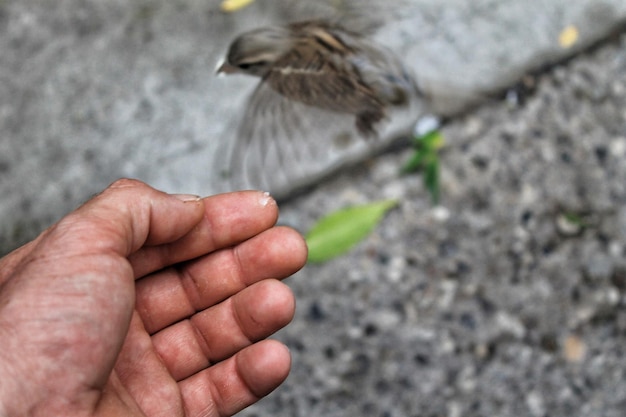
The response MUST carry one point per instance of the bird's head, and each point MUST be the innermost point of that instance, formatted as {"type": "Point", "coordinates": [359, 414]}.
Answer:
{"type": "Point", "coordinates": [255, 52]}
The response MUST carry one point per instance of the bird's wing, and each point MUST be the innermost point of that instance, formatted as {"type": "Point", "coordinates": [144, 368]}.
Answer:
{"type": "Point", "coordinates": [299, 125]}
{"type": "Point", "coordinates": [283, 144]}
{"type": "Point", "coordinates": [361, 16]}
{"type": "Point", "coordinates": [318, 74]}
{"type": "Point", "coordinates": [339, 70]}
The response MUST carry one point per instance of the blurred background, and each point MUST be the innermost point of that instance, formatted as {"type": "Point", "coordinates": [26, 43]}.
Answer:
{"type": "Point", "coordinates": [506, 299]}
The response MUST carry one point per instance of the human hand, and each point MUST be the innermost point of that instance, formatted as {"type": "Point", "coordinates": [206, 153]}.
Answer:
{"type": "Point", "coordinates": [141, 304]}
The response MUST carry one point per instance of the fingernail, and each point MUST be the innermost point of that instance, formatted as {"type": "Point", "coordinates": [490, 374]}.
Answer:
{"type": "Point", "coordinates": [265, 199]}
{"type": "Point", "coordinates": [187, 198]}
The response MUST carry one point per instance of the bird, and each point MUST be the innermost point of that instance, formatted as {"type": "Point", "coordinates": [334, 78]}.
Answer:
{"type": "Point", "coordinates": [312, 74]}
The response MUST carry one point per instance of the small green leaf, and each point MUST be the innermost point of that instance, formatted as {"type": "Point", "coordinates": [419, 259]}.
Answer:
{"type": "Point", "coordinates": [416, 161]}
{"type": "Point", "coordinates": [336, 233]}
{"type": "Point", "coordinates": [575, 219]}
{"type": "Point", "coordinates": [431, 178]}
{"type": "Point", "coordinates": [433, 140]}
{"type": "Point", "coordinates": [426, 158]}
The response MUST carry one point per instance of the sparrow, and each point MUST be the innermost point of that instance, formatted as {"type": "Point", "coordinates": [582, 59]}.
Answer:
{"type": "Point", "coordinates": [313, 75]}
{"type": "Point", "coordinates": [323, 65]}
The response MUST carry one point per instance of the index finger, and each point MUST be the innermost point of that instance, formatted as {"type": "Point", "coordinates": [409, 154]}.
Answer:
{"type": "Point", "coordinates": [228, 219]}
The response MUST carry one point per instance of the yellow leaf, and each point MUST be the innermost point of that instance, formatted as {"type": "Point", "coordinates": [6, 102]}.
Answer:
{"type": "Point", "coordinates": [574, 349]}
{"type": "Point", "coordinates": [568, 36]}
{"type": "Point", "coordinates": [230, 6]}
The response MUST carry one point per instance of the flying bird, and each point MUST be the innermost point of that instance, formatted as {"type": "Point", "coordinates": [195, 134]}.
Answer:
{"type": "Point", "coordinates": [314, 75]}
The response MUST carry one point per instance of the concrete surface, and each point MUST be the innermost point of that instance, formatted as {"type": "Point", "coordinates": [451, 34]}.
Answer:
{"type": "Point", "coordinates": [493, 304]}
{"type": "Point", "coordinates": [94, 91]}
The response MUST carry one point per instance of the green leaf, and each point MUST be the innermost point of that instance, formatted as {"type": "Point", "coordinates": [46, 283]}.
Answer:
{"type": "Point", "coordinates": [431, 178]}
{"type": "Point", "coordinates": [426, 158]}
{"type": "Point", "coordinates": [336, 233]}
{"type": "Point", "coordinates": [426, 147]}
{"type": "Point", "coordinates": [575, 219]}
{"type": "Point", "coordinates": [416, 161]}
{"type": "Point", "coordinates": [433, 140]}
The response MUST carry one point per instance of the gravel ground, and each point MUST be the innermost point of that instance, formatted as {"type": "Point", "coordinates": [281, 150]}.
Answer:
{"type": "Point", "coordinates": [493, 304]}
{"type": "Point", "coordinates": [508, 299]}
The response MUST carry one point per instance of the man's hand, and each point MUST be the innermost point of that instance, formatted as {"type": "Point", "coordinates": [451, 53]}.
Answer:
{"type": "Point", "coordinates": [143, 303]}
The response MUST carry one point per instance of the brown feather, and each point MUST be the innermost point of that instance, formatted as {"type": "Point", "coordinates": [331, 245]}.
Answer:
{"type": "Point", "coordinates": [320, 85]}
{"type": "Point", "coordinates": [318, 71]}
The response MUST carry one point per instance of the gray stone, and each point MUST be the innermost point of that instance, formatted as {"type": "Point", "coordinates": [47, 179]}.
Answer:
{"type": "Point", "coordinates": [95, 91]}
{"type": "Point", "coordinates": [457, 310]}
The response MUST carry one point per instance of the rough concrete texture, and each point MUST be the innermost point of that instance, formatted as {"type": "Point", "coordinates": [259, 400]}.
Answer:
{"type": "Point", "coordinates": [92, 91]}
{"type": "Point", "coordinates": [508, 300]}
{"type": "Point", "coordinates": [492, 304]}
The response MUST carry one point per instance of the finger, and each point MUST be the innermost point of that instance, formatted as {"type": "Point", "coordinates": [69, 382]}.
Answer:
{"type": "Point", "coordinates": [10, 262]}
{"type": "Point", "coordinates": [119, 220]}
{"type": "Point", "coordinates": [130, 214]}
{"type": "Point", "coordinates": [220, 331]}
{"type": "Point", "coordinates": [228, 219]}
{"type": "Point", "coordinates": [230, 386]}
{"type": "Point", "coordinates": [175, 294]}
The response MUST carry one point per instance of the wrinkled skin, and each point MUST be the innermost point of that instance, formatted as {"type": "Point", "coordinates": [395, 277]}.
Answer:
{"type": "Point", "coordinates": [141, 303]}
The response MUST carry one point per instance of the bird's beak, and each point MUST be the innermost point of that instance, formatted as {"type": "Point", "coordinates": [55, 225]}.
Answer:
{"type": "Point", "coordinates": [223, 67]}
